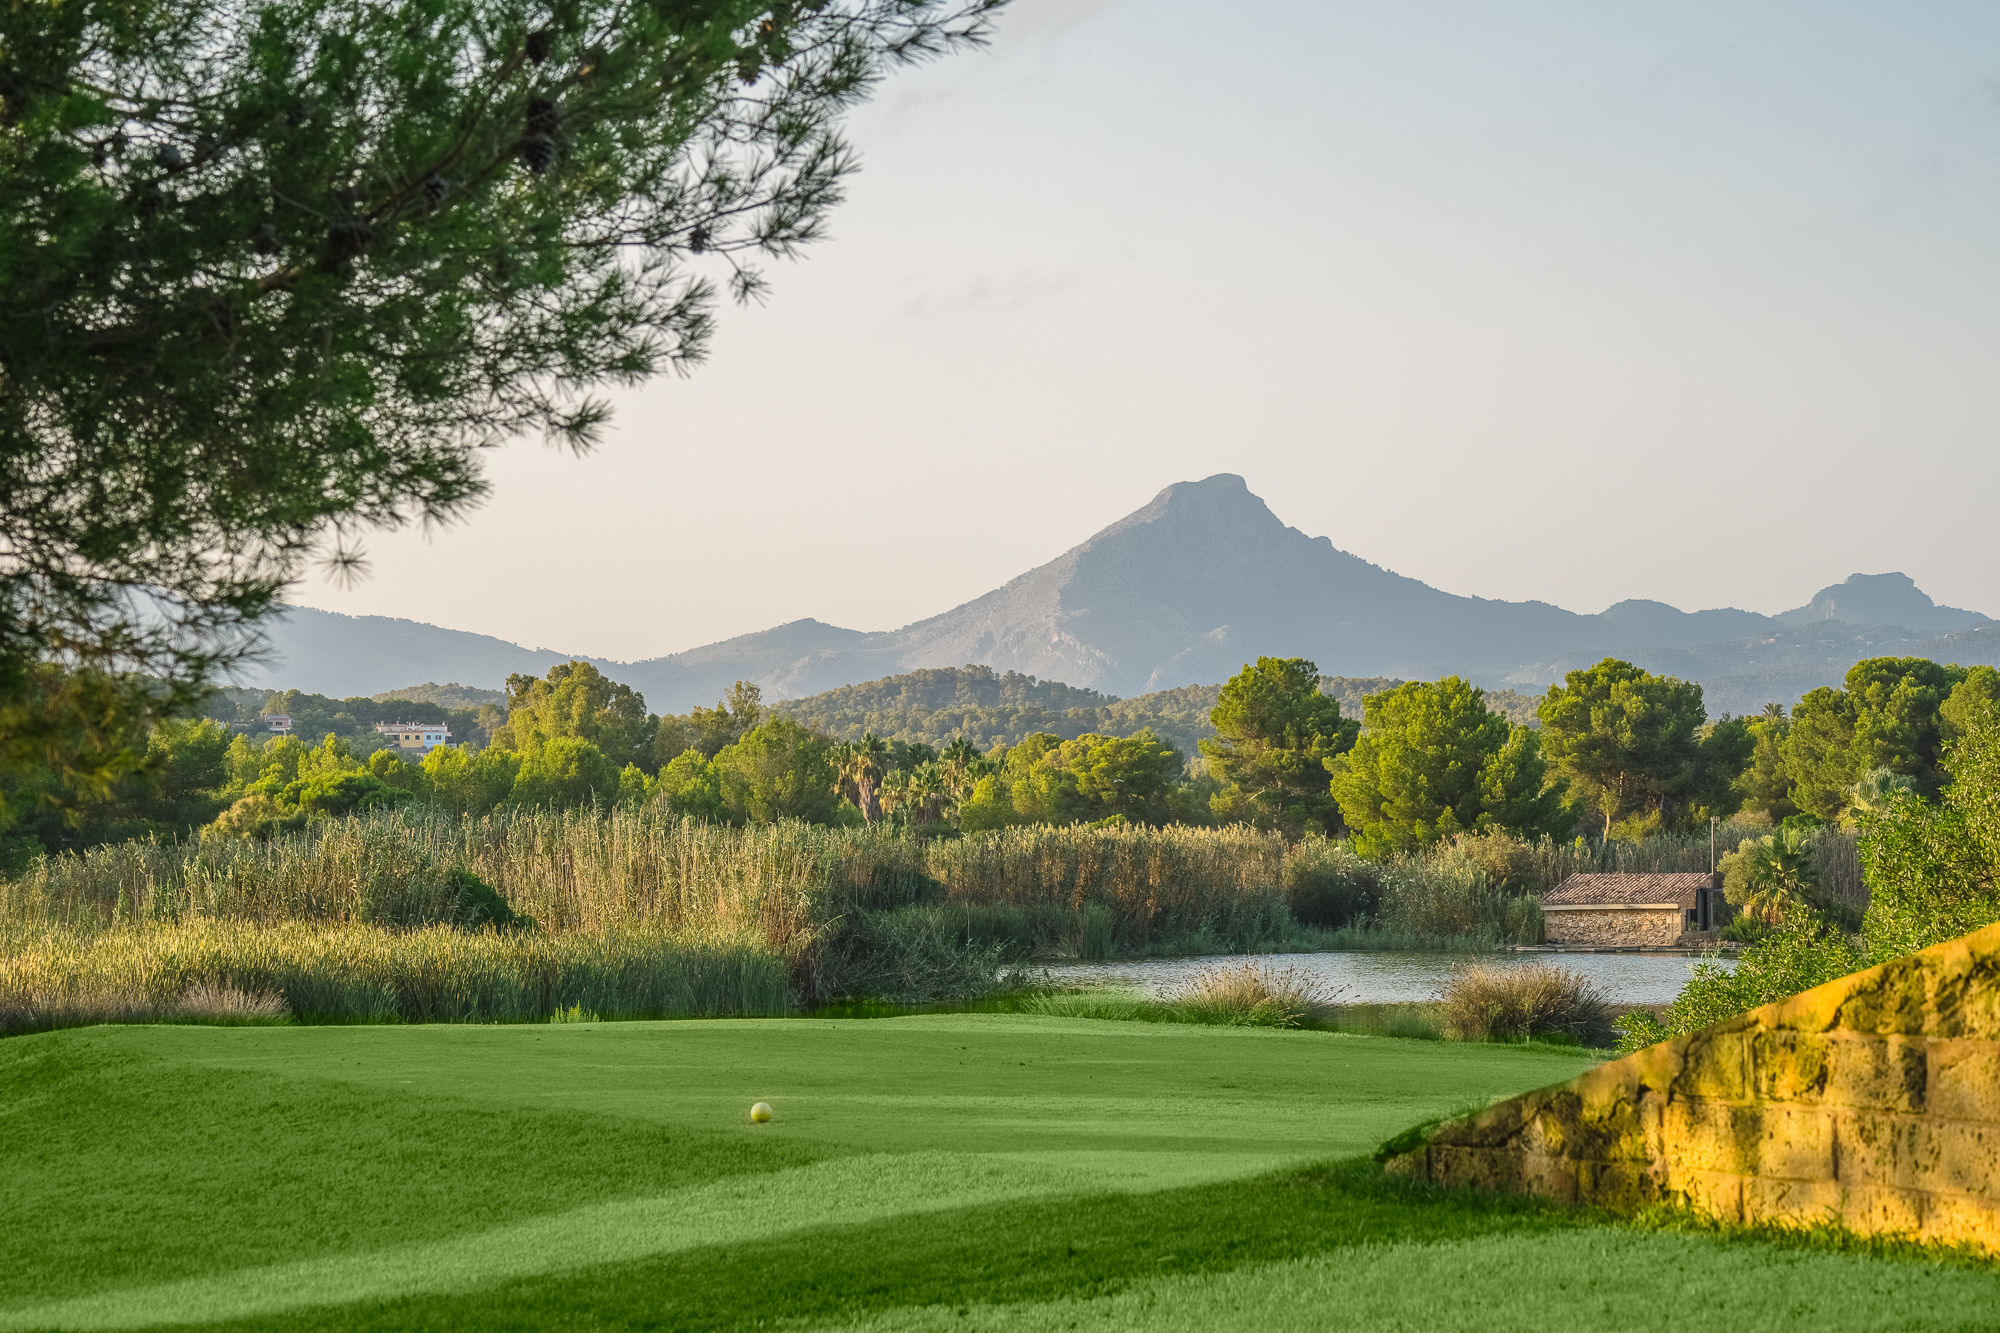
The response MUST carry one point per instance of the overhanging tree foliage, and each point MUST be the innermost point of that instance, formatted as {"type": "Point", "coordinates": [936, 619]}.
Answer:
{"type": "Point", "coordinates": [279, 269]}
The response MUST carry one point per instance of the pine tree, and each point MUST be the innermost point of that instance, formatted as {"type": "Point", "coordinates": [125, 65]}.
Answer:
{"type": "Point", "coordinates": [279, 271]}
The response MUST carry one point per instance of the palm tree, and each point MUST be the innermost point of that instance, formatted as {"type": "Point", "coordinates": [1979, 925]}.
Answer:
{"type": "Point", "coordinates": [963, 765]}
{"type": "Point", "coordinates": [927, 793]}
{"type": "Point", "coordinates": [858, 768]}
{"type": "Point", "coordinates": [1879, 788]}
{"type": "Point", "coordinates": [1783, 876]}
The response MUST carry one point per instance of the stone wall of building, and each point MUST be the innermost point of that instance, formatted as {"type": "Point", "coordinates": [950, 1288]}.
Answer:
{"type": "Point", "coordinates": [1873, 1100]}
{"type": "Point", "coordinates": [1612, 927]}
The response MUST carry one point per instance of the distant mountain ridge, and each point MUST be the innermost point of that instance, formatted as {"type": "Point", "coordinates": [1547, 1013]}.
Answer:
{"type": "Point", "coordinates": [1183, 592]}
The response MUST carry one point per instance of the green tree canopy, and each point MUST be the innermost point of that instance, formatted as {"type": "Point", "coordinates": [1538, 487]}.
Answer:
{"type": "Point", "coordinates": [710, 729]}
{"type": "Point", "coordinates": [1765, 784]}
{"type": "Point", "coordinates": [1933, 869]}
{"type": "Point", "coordinates": [470, 782]}
{"type": "Point", "coordinates": [578, 701]}
{"type": "Point", "coordinates": [565, 772]}
{"type": "Point", "coordinates": [1631, 745]}
{"type": "Point", "coordinates": [1434, 760]}
{"type": "Point", "coordinates": [778, 771]}
{"type": "Point", "coordinates": [859, 767]}
{"type": "Point", "coordinates": [1276, 736]}
{"type": "Point", "coordinates": [691, 786]}
{"type": "Point", "coordinates": [1048, 780]}
{"type": "Point", "coordinates": [282, 269]}
{"type": "Point", "coordinates": [1890, 714]}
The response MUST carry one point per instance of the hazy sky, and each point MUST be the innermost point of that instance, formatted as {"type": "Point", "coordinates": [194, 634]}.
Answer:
{"type": "Point", "coordinates": [1579, 302]}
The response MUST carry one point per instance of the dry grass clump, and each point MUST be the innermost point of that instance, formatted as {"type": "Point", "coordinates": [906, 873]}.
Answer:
{"type": "Point", "coordinates": [1255, 994]}
{"type": "Point", "coordinates": [203, 1002]}
{"type": "Point", "coordinates": [1525, 1001]}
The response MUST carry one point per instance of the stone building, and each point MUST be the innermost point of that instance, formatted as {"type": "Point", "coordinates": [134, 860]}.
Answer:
{"type": "Point", "coordinates": [1623, 910]}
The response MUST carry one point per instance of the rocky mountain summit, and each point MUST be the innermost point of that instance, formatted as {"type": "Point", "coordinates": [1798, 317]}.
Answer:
{"type": "Point", "coordinates": [1183, 592]}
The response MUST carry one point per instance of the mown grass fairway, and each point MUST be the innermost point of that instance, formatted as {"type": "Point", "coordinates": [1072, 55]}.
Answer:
{"type": "Point", "coordinates": [963, 1171]}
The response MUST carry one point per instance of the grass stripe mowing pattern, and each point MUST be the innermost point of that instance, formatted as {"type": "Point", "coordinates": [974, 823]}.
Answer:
{"type": "Point", "coordinates": [998, 1171]}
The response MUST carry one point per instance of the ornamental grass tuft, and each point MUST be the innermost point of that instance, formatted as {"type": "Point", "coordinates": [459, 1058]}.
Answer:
{"type": "Point", "coordinates": [1255, 994]}
{"type": "Point", "coordinates": [1536, 1001]}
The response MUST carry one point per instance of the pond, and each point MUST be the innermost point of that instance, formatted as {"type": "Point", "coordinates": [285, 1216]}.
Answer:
{"type": "Point", "coordinates": [1390, 978]}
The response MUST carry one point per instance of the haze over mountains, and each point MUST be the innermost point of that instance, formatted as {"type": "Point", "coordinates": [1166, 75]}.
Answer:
{"type": "Point", "coordinates": [1183, 592]}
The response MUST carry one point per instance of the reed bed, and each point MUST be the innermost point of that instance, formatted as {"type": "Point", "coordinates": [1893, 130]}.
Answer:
{"type": "Point", "coordinates": [318, 973]}
{"type": "Point", "coordinates": [204, 1002]}
{"type": "Point", "coordinates": [631, 912]}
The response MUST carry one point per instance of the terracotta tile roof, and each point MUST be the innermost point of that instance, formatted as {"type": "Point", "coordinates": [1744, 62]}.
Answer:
{"type": "Point", "coordinates": [1614, 890]}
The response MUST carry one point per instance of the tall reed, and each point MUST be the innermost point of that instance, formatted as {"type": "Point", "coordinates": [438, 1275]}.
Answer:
{"type": "Point", "coordinates": [333, 973]}
{"type": "Point", "coordinates": [842, 911]}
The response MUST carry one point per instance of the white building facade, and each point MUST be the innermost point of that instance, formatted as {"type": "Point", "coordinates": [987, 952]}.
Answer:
{"type": "Point", "coordinates": [422, 737]}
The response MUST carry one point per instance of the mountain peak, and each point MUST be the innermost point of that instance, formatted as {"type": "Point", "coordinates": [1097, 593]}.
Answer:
{"type": "Point", "coordinates": [1201, 579]}
{"type": "Point", "coordinates": [1880, 599]}
{"type": "Point", "coordinates": [1224, 498]}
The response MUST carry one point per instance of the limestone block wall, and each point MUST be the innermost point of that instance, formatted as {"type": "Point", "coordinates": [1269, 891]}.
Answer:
{"type": "Point", "coordinates": [1873, 1100]}
{"type": "Point", "coordinates": [1612, 927]}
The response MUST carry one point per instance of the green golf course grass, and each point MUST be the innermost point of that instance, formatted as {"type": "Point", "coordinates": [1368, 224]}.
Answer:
{"type": "Point", "coordinates": [944, 1171]}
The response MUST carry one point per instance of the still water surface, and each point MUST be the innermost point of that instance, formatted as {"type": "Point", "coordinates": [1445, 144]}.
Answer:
{"type": "Point", "coordinates": [1389, 978]}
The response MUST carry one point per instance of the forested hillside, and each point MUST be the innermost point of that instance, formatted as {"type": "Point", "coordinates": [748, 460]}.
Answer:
{"type": "Point", "coordinates": [315, 716]}
{"type": "Point", "coordinates": [938, 704]}
{"type": "Point", "coordinates": [990, 708]}
{"type": "Point", "coordinates": [453, 696]}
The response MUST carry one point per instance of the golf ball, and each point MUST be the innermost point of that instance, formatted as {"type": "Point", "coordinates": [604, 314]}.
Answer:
{"type": "Point", "coordinates": [761, 1112]}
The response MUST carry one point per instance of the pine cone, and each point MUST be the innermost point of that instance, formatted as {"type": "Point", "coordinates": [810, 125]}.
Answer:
{"type": "Point", "coordinates": [540, 42]}
{"type": "Point", "coordinates": [543, 116]}
{"type": "Point", "coordinates": [435, 189]}
{"type": "Point", "coordinates": [348, 238]}
{"type": "Point", "coordinates": [539, 152]}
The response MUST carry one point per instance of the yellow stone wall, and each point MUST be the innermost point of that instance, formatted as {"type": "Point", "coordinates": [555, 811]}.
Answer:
{"type": "Point", "coordinates": [1873, 1100]}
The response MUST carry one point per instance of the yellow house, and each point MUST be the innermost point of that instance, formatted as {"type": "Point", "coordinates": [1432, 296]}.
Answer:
{"type": "Point", "coordinates": [420, 736]}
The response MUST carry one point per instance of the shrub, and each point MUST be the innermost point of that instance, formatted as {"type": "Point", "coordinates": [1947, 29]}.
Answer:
{"type": "Point", "coordinates": [1254, 994]}
{"type": "Point", "coordinates": [1327, 886]}
{"type": "Point", "coordinates": [479, 904]}
{"type": "Point", "coordinates": [1935, 869]}
{"type": "Point", "coordinates": [1508, 862]}
{"type": "Point", "coordinates": [1803, 952]}
{"type": "Point", "coordinates": [1492, 1002]}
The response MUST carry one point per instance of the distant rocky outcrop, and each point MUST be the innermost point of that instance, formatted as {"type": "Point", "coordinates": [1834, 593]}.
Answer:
{"type": "Point", "coordinates": [1183, 592]}
{"type": "Point", "coordinates": [1880, 599]}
